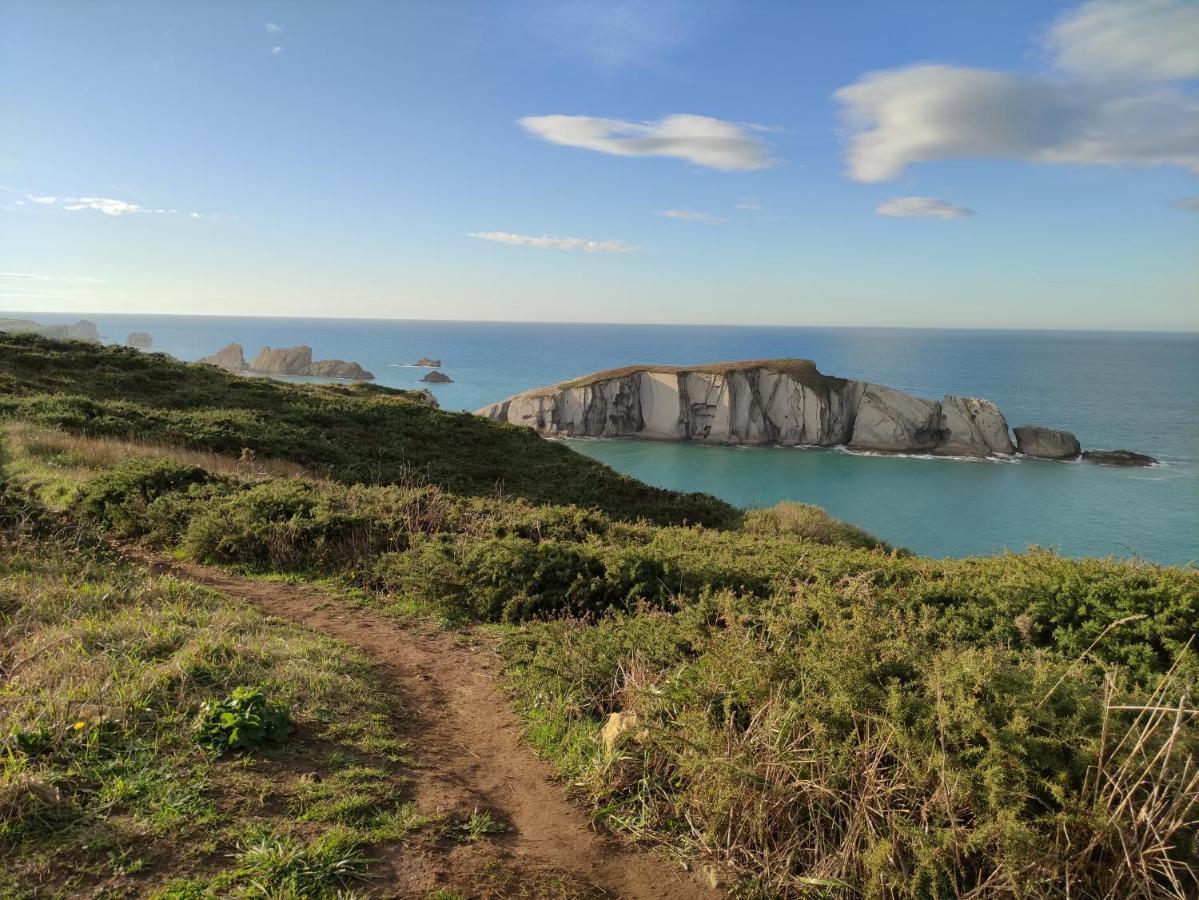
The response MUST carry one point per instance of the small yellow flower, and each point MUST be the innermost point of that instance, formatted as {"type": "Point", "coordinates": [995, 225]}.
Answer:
{"type": "Point", "coordinates": [79, 726]}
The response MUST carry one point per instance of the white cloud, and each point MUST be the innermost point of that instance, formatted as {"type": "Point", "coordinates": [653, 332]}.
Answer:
{"type": "Point", "coordinates": [702, 140]}
{"type": "Point", "coordinates": [111, 207]}
{"type": "Point", "coordinates": [933, 112]}
{"type": "Point", "coordinates": [1154, 40]}
{"type": "Point", "coordinates": [276, 50]}
{"type": "Point", "coordinates": [749, 203]}
{"type": "Point", "coordinates": [1188, 203]}
{"type": "Point", "coordinates": [106, 205]}
{"type": "Point", "coordinates": [272, 28]}
{"type": "Point", "coordinates": [549, 241]}
{"type": "Point", "coordinates": [1115, 105]}
{"type": "Point", "coordinates": [691, 215]}
{"type": "Point", "coordinates": [922, 207]}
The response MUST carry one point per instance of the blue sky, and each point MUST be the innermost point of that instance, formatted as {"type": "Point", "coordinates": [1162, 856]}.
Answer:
{"type": "Point", "coordinates": [957, 163]}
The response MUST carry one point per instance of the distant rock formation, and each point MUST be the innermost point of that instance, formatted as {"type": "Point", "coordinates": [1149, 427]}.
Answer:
{"type": "Point", "coordinates": [428, 363]}
{"type": "Point", "coordinates": [1046, 443]}
{"type": "Point", "coordinates": [139, 339]}
{"type": "Point", "coordinates": [786, 402]}
{"type": "Point", "coordinates": [83, 330]}
{"type": "Point", "coordinates": [339, 368]}
{"type": "Point", "coordinates": [438, 378]}
{"type": "Point", "coordinates": [286, 361]}
{"type": "Point", "coordinates": [1118, 458]}
{"type": "Point", "coordinates": [231, 358]}
{"type": "Point", "coordinates": [283, 361]}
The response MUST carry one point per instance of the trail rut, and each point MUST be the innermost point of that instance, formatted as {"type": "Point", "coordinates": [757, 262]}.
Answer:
{"type": "Point", "coordinates": [467, 742]}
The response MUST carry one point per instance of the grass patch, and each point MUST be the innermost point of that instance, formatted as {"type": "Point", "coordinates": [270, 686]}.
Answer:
{"type": "Point", "coordinates": [103, 787]}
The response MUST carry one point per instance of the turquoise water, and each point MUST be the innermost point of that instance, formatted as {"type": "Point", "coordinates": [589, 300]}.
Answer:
{"type": "Point", "coordinates": [1133, 391]}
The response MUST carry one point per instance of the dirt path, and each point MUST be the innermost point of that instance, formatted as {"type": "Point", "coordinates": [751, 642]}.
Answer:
{"type": "Point", "coordinates": [467, 740]}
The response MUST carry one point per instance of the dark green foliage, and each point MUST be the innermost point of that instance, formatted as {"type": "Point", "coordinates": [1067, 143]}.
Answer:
{"type": "Point", "coordinates": [245, 720]}
{"type": "Point", "coordinates": [120, 500]}
{"type": "Point", "coordinates": [358, 434]}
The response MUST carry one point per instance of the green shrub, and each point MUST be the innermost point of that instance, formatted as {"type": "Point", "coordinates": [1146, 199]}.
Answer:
{"type": "Point", "coordinates": [119, 499]}
{"type": "Point", "coordinates": [284, 525]}
{"type": "Point", "coordinates": [245, 720]}
{"type": "Point", "coordinates": [816, 738]}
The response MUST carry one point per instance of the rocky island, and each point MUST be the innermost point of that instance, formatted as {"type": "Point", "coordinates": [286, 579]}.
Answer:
{"type": "Point", "coordinates": [83, 330]}
{"type": "Point", "coordinates": [426, 363]}
{"type": "Point", "coordinates": [285, 361]}
{"type": "Point", "coordinates": [438, 378]}
{"type": "Point", "coordinates": [140, 340]}
{"type": "Point", "coordinates": [785, 402]}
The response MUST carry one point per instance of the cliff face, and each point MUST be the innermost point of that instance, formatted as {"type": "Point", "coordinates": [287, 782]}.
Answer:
{"type": "Point", "coordinates": [787, 402]}
{"type": "Point", "coordinates": [231, 358]}
{"type": "Point", "coordinates": [339, 368]}
{"type": "Point", "coordinates": [283, 360]}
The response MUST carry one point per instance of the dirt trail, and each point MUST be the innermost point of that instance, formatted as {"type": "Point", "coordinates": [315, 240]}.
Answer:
{"type": "Point", "coordinates": [467, 741]}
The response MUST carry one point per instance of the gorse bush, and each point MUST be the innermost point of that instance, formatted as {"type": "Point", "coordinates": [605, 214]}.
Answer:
{"type": "Point", "coordinates": [505, 561]}
{"type": "Point", "coordinates": [812, 741]}
{"type": "Point", "coordinates": [245, 720]}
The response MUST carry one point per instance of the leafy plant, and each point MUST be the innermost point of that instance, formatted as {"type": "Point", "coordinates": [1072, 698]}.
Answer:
{"type": "Point", "coordinates": [243, 721]}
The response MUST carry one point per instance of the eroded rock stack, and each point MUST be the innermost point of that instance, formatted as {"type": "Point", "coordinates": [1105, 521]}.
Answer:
{"type": "Point", "coordinates": [285, 361]}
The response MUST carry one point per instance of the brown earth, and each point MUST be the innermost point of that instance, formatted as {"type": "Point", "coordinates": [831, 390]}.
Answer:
{"type": "Point", "coordinates": [469, 752]}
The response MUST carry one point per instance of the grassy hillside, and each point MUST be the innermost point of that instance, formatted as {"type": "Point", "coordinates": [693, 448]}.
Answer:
{"type": "Point", "coordinates": [357, 433]}
{"type": "Point", "coordinates": [813, 712]}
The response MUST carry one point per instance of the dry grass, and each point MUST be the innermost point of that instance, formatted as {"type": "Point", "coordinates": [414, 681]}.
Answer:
{"type": "Point", "coordinates": [93, 454]}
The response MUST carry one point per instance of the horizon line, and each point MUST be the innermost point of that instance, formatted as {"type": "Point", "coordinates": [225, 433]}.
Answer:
{"type": "Point", "coordinates": [1093, 330]}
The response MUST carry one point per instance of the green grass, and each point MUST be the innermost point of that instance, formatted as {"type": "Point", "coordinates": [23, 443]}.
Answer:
{"type": "Point", "coordinates": [103, 784]}
{"type": "Point", "coordinates": [820, 713]}
{"type": "Point", "coordinates": [358, 433]}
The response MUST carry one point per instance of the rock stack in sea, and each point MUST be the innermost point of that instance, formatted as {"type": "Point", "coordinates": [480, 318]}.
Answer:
{"type": "Point", "coordinates": [786, 402]}
{"type": "Point", "coordinates": [285, 361]}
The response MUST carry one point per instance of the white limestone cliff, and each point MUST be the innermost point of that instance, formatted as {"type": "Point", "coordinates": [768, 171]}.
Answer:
{"type": "Point", "coordinates": [786, 402]}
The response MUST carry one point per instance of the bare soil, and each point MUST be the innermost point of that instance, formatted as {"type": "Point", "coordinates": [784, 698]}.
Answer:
{"type": "Point", "coordinates": [467, 744]}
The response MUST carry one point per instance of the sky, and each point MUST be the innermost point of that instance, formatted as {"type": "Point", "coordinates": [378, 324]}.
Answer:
{"type": "Point", "coordinates": [943, 163]}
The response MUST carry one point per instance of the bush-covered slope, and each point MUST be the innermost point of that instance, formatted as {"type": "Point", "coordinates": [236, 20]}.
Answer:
{"type": "Point", "coordinates": [818, 714]}
{"type": "Point", "coordinates": [355, 433]}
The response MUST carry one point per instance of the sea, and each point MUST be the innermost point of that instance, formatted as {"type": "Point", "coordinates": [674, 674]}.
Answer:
{"type": "Point", "coordinates": [1115, 390]}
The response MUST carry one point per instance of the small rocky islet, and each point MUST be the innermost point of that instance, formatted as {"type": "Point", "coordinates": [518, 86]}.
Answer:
{"type": "Point", "coordinates": [783, 402]}
{"type": "Point", "coordinates": [285, 361]}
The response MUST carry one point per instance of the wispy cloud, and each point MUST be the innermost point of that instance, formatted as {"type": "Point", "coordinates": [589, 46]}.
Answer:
{"type": "Point", "coordinates": [273, 28]}
{"type": "Point", "coordinates": [749, 203]}
{"type": "Point", "coordinates": [701, 140]}
{"type": "Point", "coordinates": [1117, 104]}
{"type": "Point", "coordinates": [27, 276]}
{"type": "Point", "coordinates": [553, 242]}
{"type": "Point", "coordinates": [691, 215]}
{"type": "Point", "coordinates": [110, 206]}
{"type": "Point", "coordinates": [275, 51]}
{"type": "Point", "coordinates": [922, 207]}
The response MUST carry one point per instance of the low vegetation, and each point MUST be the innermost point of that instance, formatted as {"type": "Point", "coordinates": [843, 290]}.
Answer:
{"type": "Point", "coordinates": [813, 711]}
{"type": "Point", "coordinates": [357, 433]}
{"type": "Point", "coordinates": [105, 783]}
